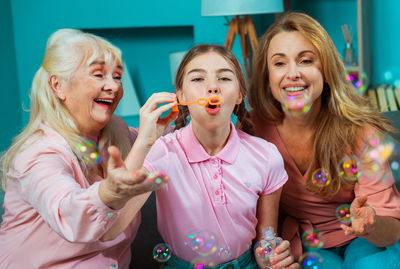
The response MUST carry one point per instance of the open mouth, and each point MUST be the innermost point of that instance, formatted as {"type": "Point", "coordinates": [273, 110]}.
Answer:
{"type": "Point", "coordinates": [295, 90]}
{"type": "Point", "coordinates": [107, 102]}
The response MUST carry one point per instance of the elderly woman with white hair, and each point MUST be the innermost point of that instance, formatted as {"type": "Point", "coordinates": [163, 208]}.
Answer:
{"type": "Point", "coordinates": [65, 179]}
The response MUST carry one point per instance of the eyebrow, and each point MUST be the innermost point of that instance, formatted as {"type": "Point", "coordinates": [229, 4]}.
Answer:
{"type": "Point", "coordinates": [102, 62]}
{"type": "Point", "coordinates": [301, 53]}
{"type": "Point", "coordinates": [200, 70]}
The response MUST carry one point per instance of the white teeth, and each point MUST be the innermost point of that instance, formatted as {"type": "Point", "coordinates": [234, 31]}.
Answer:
{"type": "Point", "coordinates": [294, 89]}
{"type": "Point", "coordinates": [104, 100]}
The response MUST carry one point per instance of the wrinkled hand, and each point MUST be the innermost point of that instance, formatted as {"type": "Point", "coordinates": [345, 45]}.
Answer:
{"type": "Point", "coordinates": [283, 257]}
{"type": "Point", "coordinates": [364, 218]}
{"type": "Point", "coordinates": [122, 184]}
{"type": "Point", "coordinates": [151, 125]}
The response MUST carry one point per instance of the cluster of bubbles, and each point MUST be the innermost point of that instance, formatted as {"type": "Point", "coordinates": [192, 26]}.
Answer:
{"type": "Point", "coordinates": [89, 153]}
{"type": "Point", "coordinates": [312, 239]}
{"type": "Point", "coordinates": [162, 252]}
{"type": "Point", "coordinates": [296, 103]}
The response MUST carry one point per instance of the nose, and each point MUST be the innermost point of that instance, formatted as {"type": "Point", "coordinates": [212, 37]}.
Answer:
{"type": "Point", "coordinates": [111, 84]}
{"type": "Point", "coordinates": [213, 88]}
{"type": "Point", "coordinates": [293, 72]}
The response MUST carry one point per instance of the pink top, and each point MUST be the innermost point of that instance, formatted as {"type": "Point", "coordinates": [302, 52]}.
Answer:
{"type": "Point", "coordinates": [304, 210]}
{"type": "Point", "coordinates": [216, 195]}
{"type": "Point", "coordinates": [53, 216]}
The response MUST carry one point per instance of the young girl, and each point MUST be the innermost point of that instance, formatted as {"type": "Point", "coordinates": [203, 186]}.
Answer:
{"type": "Point", "coordinates": [225, 184]}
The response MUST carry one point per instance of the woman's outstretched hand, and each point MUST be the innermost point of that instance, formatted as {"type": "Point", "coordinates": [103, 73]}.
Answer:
{"type": "Point", "coordinates": [122, 184]}
{"type": "Point", "coordinates": [364, 218]}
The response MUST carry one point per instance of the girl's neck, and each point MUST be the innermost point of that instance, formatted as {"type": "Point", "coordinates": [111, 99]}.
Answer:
{"type": "Point", "coordinates": [213, 140]}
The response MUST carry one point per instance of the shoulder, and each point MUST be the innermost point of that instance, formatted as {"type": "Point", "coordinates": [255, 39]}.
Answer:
{"type": "Point", "coordinates": [257, 144]}
{"type": "Point", "coordinates": [46, 143]}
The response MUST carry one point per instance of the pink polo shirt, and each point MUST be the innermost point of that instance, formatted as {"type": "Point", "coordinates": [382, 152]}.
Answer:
{"type": "Point", "coordinates": [53, 216]}
{"type": "Point", "coordinates": [213, 194]}
{"type": "Point", "coordinates": [303, 210]}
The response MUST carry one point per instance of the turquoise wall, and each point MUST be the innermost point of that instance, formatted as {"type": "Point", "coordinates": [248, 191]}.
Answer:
{"type": "Point", "coordinates": [10, 104]}
{"type": "Point", "coordinates": [147, 31]}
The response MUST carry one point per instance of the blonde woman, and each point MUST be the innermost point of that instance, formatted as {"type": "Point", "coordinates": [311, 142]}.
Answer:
{"type": "Point", "coordinates": [296, 57]}
{"type": "Point", "coordinates": [61, 201]}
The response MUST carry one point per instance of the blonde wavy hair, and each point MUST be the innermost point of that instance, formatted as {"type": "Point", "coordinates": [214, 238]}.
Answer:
{"type": "Point", "coordinates": [66, 50]}
{"type": "Point", "coordinates": [343, 115]}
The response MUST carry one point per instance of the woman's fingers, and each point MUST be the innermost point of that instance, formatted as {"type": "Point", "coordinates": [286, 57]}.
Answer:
{"type": "Point", "coordinates": [157, 99]}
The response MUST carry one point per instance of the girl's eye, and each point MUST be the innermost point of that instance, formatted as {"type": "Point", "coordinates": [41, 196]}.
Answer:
{"type": "Point", "coordinates": [279, 63]}
{"type": "Point", "coordinates": [197, 79]}
{"type": "Point", "coordinates": [225, 79]}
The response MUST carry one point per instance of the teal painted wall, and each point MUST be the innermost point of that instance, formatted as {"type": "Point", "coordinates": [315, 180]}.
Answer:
{"type": "Point", "coordinates": [10, 104]}
{"type": "Point", "coordinates": [385, 40]}
{"type": "Point", "coordinates": [147, 31]}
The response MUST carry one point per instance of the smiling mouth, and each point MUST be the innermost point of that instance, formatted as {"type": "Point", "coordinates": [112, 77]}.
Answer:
{"type": "Point", "coordinates": [107, 102]}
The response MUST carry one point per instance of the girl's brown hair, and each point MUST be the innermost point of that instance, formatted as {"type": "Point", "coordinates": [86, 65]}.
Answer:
{"type": "Point", "coordinates": [343, 115]}
{"type": "Point", "coordinates": [240, 110]}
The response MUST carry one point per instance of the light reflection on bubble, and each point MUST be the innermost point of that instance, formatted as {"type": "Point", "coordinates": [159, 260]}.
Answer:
{"type": "Point", "coordinates": [88, 153]}
{"type": "Point", "coordinates": [310, 260]}
{"type": "Point", "coordinates": [343, 214]}
{"type": "Point", "coordinates": [312, 239]}
{"type": "Point", "coordinates": [202, 242]}
{"type": "Point", "coordinates": [350, 168]}
{"type": "Point", "coordinates": [321, 178]}
{"type": "Point", "coordinates": [162, 252]}
{"type": "Point", "coordinates": [296, 103]}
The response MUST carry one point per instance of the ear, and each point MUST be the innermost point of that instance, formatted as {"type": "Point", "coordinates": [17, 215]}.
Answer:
{"type": "Point", "coordinates": [239, 98]}
{"type": "Point", "coordinates": [180, 95]}
{"type": "Point", "coordinates": [55, 85]}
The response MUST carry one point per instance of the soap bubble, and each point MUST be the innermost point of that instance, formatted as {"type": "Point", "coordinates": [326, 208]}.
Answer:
{"type": "Point", "coordinates": [202, 242]}
{"type": "Point", "coordinates": [296, 103]}
{"type": "Point", "coordinates": [162, 252]}
{"type": "Point", "coordinates": [312, 239]}
{"type": "Point", "coordinates": [343, 214]}
{"type": "Point", "coordinates": [350, 168]}
{"type": "Point", "coordinates": [310, 260]}
{"type": "Point", "coordinates": [88, 153]}
{"type": "Point", "coordinates": [321, 178]}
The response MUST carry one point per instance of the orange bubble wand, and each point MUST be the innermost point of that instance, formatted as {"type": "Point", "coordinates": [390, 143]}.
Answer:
{"type": "Point", "coordinates": [201, 102]}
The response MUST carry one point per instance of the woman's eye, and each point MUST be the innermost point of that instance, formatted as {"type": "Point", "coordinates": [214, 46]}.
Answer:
{"type": "Point", "coordinates": [225, 79]}
{"type": "Point", "coordinates": [197, 79]}
{"type": "Point", "coordinates": [117, 77]}
{"type": "Point", "coordinates": [307, 61]}
{"type": "Point", "coordinates": [99, 75]}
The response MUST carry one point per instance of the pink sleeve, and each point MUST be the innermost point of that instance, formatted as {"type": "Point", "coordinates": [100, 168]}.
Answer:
{"type": "Point", "coordinates": [48, 180]}
{"type": "Point", "coordinates": [276, 176]}
{"type": "Point", "coordinates": [377, 184]}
